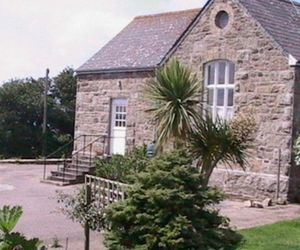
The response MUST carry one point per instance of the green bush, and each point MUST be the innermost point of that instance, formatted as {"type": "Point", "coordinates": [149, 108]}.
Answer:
{"type": "Point", "coordinates": [9, 240]}
{"type": "Point", "coordinates": [76, 209]}
{"type": "Point", "coordinates": [168, 208]}
{"type": "Point", "coordinates": [123, 168]}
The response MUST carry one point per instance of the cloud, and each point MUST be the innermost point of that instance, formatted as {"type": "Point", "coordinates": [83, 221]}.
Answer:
{"type": "Point", "coordinates": [38, 34]}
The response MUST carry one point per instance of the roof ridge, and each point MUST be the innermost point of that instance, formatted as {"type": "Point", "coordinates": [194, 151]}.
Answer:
{"type": "Point", "coordinates": [177, 12]}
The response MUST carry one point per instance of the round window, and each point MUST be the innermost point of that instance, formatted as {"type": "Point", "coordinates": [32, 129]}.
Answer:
{"type": "Point", "coordinates": [222, 19]}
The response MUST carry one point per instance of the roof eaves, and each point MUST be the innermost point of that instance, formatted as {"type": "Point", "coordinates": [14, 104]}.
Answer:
{"type": "Point", "coordinates": [115, 70]}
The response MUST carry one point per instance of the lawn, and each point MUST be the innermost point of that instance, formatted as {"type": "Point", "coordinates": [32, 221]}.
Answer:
{"type": "Point", "coordinates": [279, 236]}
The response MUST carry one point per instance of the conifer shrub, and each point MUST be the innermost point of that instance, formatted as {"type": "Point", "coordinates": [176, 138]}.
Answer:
{"type": "Point", "coordinates": [169, 208]}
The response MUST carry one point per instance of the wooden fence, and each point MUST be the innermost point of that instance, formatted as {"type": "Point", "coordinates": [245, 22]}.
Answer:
{"type": "Point", "coordinates": [103, 191]}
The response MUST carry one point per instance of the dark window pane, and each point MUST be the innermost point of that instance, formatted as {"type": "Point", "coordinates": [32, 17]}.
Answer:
{"type": "Point", "coordinates": [220, 100]}
{"type": "Point", "coordinates": [222, 19]}
{"type": "Point", "coordinates": [221, 73]}
{"type": "Point", "coordinates": [210, 97]}
{"type": "Point", "coordinates": [230, 97]}
{"type": "Point", "coordinates": [211, 74]}
{"type": "Point", "coordinates": [231, 73]}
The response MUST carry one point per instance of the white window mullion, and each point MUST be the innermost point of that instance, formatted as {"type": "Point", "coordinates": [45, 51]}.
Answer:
{"type": "Point", "coordinates": [226, 89]}
{"type": "Point", "coordinates": [215, 104]}
{"type": "Point", "coordinates": [206, 76]}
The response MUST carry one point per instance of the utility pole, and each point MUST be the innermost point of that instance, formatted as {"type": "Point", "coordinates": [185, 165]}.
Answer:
{"type": "Point", "coordinates": [45, 112]}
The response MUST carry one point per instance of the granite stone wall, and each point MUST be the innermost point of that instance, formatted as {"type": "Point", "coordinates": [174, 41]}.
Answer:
{"type": "Point", "coordinates": [294, 171]}
{"type": "Point", "coordinates": [93, 103]}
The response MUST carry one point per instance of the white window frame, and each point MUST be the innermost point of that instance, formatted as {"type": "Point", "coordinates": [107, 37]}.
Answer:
{"type": "Point", "coordinates": [228, 111]}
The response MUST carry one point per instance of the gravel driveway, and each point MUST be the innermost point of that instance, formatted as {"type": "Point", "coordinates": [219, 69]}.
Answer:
{"type": "Point", "coordinates": [20, 185]}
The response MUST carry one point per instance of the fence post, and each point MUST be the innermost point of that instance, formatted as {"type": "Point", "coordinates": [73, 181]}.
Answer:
{"type": "Point", "coordinates": [86, 226]}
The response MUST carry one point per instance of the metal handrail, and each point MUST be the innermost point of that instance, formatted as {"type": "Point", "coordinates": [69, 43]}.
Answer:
{"type": "Point", "coordinates": [55, 152]}
{"type": "Point", "coordinates": [63, 147]}
{"type": "Point", "coordinates": [73, 154]}
{"type": "Point", "coordinates": [86, 149]}
{"type": "Point", "coordinates": [76, 153]}
{"type": "Point", "coordinates": [90, 143]}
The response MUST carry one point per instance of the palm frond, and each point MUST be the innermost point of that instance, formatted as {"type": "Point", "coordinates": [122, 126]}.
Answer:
{"type": "Point", "coordinates": [9, 217]}
{"type": "Point", "coordinates": [175, 93]}
{"type": "Point", "coordinates": [213, 142]}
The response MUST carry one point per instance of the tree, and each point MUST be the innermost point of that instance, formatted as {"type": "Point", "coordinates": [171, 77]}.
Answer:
{"type": "Point", "coordinates": [175, 91]}
{"type": "Point", "coordinates": [21, 115]}
{"type": "Point", "coordinates": [62, 116]}
{"type": "Point", "coordinates": [64, 92]}
{"type": "Point", "coordinates": [169, 208]}
{"type": "Point", "coordinates": [213, 142]}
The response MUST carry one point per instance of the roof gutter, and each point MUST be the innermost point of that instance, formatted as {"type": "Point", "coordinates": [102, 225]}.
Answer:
{"type": "Point", "coordinates": [115, 71]}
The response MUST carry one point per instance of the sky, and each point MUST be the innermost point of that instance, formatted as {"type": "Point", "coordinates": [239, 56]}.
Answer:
{"type": "Point", "coordinates": [40, 34]}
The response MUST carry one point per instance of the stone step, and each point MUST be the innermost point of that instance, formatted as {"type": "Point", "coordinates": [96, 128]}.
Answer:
{"type": "Point", "coordinates": [66, 174]}
{"type": "Point", "coordinates": [74, 172]}
{"type": "Point", "coordinates": [81, 162]}
{"type": "Point", "coordinates": [79, 166]}
{"type": "Point", "coordinates": [83, 157]}
{"type": "Point", "coordinates": [66, 180]}
{"type": "Point", "coordinates": [80, 171]}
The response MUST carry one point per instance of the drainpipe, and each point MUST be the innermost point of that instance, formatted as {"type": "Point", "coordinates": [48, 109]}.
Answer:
{"type": "Point", "coordinates": [278, 174]}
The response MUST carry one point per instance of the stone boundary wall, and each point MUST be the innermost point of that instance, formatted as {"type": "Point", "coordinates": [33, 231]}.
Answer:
{"type": "Point", "coordinates": [248, 185]}
{"type": "Point", "coordinates": [33, 161]}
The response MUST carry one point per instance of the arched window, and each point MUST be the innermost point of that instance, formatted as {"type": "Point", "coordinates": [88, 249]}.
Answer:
{"type": "Point", "coordinates": [219, 85]}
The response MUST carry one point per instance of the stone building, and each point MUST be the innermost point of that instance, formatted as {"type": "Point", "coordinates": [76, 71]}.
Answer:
{"type": "Point", "coordinates": [246, 54]}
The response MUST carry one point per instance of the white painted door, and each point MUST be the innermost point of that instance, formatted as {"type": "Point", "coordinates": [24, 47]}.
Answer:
{"type": "Point", "coordinates": [118, 126]}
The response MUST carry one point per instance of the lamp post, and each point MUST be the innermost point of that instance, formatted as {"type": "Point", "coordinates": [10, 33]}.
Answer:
{"type": "Point", "coordinates": [45, 111]}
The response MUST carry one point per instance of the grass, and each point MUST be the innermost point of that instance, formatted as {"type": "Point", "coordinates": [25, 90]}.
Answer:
{"type": "Point", "coordinates": [279, 236]}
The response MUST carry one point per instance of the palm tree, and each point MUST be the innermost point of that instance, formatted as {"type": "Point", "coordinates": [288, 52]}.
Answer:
{"type": "Point", "coordinates": [175, 91]}
{"type": "Point", "coordinates": [213, 142]}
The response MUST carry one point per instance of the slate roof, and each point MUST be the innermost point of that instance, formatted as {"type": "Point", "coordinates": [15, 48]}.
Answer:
{"type": "Point", "coordinates": [148, 40]}
{"type": "Point", "coordinates": [143, 44]}
{"type": "Point", "coordinates": [280, 19]}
